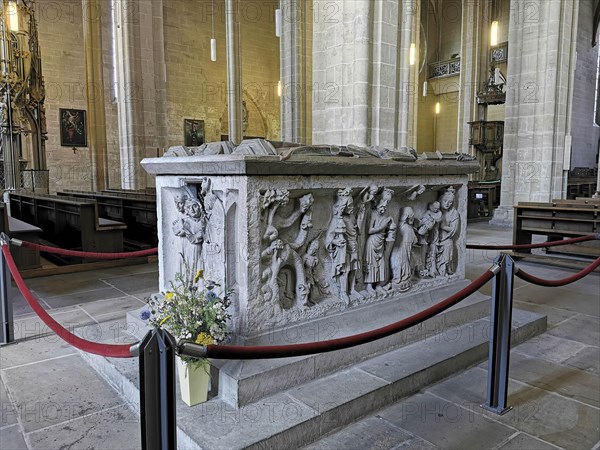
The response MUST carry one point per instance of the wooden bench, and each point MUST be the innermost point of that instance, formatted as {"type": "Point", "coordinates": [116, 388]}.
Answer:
{"type": "Point", "coordinates": [69, 222]}
{"type": "Point", "coordinates": [15, 228]}
{"type": "Point", "coordinates": [138, 212]}
{"type": "Point", "coordinates": [558, 220]}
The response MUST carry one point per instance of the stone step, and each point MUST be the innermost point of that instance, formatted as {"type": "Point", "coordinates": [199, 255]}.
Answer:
{"type": "Point", "coordinates": [242, 383]}
{"type": "Point", "coordinates": [302, 414]}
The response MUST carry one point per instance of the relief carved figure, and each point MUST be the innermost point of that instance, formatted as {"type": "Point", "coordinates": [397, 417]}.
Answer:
{"type": "Point", "coordinates": [342, 244]}
{"type": "Point", "coordinates": [402, 264]}
{"type": "Point", "coordinates": [448, 232]}
{"type": "Point", "coordinates": [193, 223]}
{"type": "Point", "coordinates": [281, 252]}
{"type": "Point", "coordinates": [314, 284]}
{"type": "Point", "coordinates": [381, 232]}
{"type": "Point", "coordinates": [428, 231]}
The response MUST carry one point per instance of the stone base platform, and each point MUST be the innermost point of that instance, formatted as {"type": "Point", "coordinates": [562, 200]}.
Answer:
{"type": "Point", "coordinates": [244, 382]}
{"type": "Point", "coordinates": [300, 413]}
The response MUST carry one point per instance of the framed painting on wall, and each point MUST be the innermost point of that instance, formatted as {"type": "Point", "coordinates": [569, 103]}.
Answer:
{"type": "Point", "coordinates": [73, 128]}
{"type": "Point", "coordinates": [193, 132]}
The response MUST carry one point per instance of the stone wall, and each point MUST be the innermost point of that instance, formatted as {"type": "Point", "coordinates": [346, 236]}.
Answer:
{"type": "Point", "coordinates": [586, 135]}
{"type": "Point", "coordinates": [196, 86]}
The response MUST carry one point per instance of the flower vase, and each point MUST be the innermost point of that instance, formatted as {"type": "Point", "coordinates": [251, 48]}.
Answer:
{"type": "Point", "coordinates": [194, 379]}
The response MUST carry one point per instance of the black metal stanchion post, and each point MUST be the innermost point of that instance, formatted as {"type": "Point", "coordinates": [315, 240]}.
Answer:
{"type": "Point", "coordinates": [157, 390]}
{"type": "Point", "coordinates": [7, 332]}
{"type": "Point", "coordinates": [500, 321]}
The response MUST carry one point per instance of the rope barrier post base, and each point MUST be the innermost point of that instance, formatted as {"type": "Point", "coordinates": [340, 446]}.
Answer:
{"type": "Point", "coordinates": [500, 328]}
{"type": "Point", "coordinates": [157, 390]}
{"type": "Point", "coordinates": [7, 331]}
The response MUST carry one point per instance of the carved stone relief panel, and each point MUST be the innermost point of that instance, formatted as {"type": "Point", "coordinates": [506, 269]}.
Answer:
{"type": "Point", "coordinates": [329, 249]}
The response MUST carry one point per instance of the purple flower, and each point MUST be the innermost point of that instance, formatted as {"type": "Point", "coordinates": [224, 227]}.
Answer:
{"type": "Point", "coordinates": [211, 296]}
{"type": "Point", "coordinates": [145, 314]}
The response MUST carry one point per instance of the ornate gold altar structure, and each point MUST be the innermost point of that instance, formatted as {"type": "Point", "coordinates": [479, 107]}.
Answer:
{"type": "Point", "coordinates": [22, 96]}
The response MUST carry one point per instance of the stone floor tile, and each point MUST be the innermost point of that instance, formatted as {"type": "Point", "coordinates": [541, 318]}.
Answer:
{"type": "Point", "coordinates": [569, 382]}
{"type": "Point", "coordinates": [68, 389]}
{"type": "Point", "coordinates": [117, 428]}
{"type": "Point", "coordinates": [32, 327]}
{"type": "Point", "coordinates": [34, 350]}
{"type": "Point", "coordinates": [6, 418]}
{"type": "Point", "coordinates": [587, 359]}
{"type": "Point", "coordinates": [555, 296]}
{"type": "Point", "coordinates": [76, 298]}
{"type": "Point", "coordinates": [215, 422]}
{"type": "Point", "coordinates": [11, 438]}
{"type": "Point", "coordinates": [524, 442]}
{"type": "Point", "coordinates": [582, 328]}
{"type": "Point", "coordinates": [131, 284]}
{"type": "Point", "coordinates": [416, 443]}
{"type": "Point", "coordinates": [117, 307]}
{"type": "Point", "coordinates": [446, 424]}
{"type": "Point", "coordinates": [551, 417]}
{"type": "Point", "coordinates": [370, 433]}
{"type": "Point", "coordinates": [550, 348]}
{"type": "Point", "coordinates": [555, 315]}
{"type": "Point", "coordinates": [69, 284]}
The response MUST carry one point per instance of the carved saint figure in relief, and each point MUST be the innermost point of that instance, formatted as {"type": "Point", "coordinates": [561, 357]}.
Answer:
{"type": "Point", "coordinates": [428, 234]}
{"type": "Point", "coordinates": [381, 234]}
{"type": "Point", "coordinates": [402, 264]}
{"type": "Point", "coordinates": [448, 231]}
{"type": "Point", "coordinates": [313, 283]}
{"type": "Point", "coordinates": [342, 244]}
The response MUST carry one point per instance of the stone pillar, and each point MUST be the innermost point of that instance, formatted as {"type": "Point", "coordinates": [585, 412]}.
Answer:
{"type": "Point", "coordinates": [141, 85]}
{"type": "Point", "coordinates": [234, 71]}
{"type": "Point", "coordinates": [539, 82]}
{"type": "Point", "coordinates": [362, 77]}
{"type": "Point", "coordinates": [294, 66]}
{"type": "Point", "coordinates": [474, 58]}
{"type": "Point", "coordinates": [94, 81]}
{"type": "Point", "coordinates": [407, 16]}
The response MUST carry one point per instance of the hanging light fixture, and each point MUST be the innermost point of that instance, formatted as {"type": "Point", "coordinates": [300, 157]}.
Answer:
{"type": "Point", "coordinates": [279, 88]}
{"type": "Point", "coordinates": [278, 22]}
{"type": "Point", "coordinates": [494, 34]}
{"type": "Point", "coordinates": [413, 54]}
{"type": "Point", "coordinates": [438, 108]}
{"type": "Point", "coordinates": [425, 88]}
{"type": "Point", "coordinates": [213, 41]}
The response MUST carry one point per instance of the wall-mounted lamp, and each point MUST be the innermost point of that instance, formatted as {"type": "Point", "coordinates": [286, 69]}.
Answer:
{"type": "Point", "coordinates": [413, 54]}
{"type": "Point", "coordinates": [279, 88]}
{"type": "Point", "coordinates": [12, 15]}
{"type": "Point", "coordinates": [213, 41]}
{"type": "Point", "coordinates": [494, 34]}
{"type": "Point", "coordinates": [278, 22]}
{"type": "Point", "coordinates": [438, 108]}
{"type": "Point", "coordinates": [213, 49]}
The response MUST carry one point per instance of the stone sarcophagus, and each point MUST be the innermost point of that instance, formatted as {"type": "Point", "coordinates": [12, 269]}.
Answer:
{"type": "Point", "coordinates": [303, 232]}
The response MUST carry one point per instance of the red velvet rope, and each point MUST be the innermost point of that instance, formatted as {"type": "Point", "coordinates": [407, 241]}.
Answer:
{"type": "Point", "coordinates": [93, 255]}
{"type": "Point", "coordinates": [589, 237]}
{"type": "Point", "coordinates": [115, 351]}
{"type": "Point", "coordinates": [562, 282]}
{"type": "Point", "coordinates": [282, 351]}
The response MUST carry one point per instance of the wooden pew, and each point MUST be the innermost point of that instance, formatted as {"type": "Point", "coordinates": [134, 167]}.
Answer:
{"type": "Point", "coordinates": [138, 212]}
{"type": "Point", "coordinates": [557, 220]}
{"type": "Point", "coordinates": [15, 228]}
{"type": "Point", "coordinates": [69, 222]}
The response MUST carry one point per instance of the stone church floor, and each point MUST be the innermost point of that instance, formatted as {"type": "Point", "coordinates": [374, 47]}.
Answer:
{"type": "Point", "coordinates": [50, 398]}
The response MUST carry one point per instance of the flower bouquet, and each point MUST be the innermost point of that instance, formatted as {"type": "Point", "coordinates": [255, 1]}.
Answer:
{"type": "Point", "coordinates": [191, 310]}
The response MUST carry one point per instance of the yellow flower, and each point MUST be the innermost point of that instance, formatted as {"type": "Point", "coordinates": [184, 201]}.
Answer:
{"type": "Point", "coordinates": [199, 274]}
{"type": "Point", "coordinates": [204, 339]}
{"type": "Point", "coordinates": [169, 296]}
{"type": "Point", "coordinates": [164, 320]}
